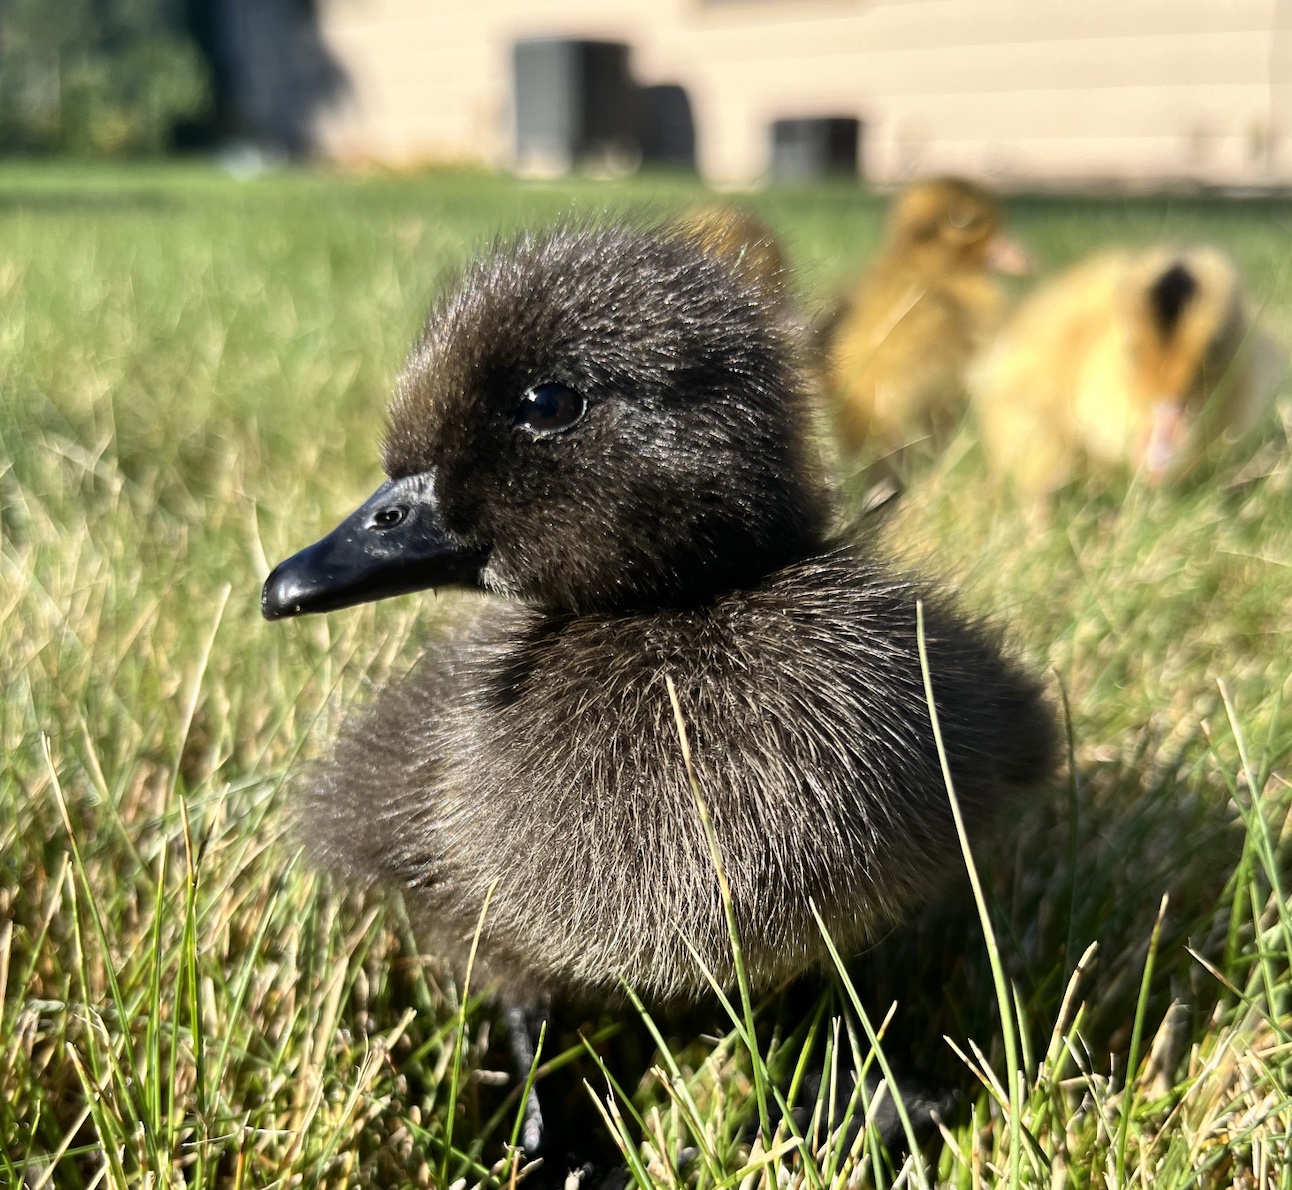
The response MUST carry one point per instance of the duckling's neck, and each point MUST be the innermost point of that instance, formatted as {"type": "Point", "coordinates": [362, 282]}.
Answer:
{"type": "Point", "coordinates": [692, 583]}
{"type": "Point", "coordinates": [703, 543]}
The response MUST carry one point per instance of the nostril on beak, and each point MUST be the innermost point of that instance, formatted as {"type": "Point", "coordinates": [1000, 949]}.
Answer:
{"type": "Point", "coordinates": [390, 516]}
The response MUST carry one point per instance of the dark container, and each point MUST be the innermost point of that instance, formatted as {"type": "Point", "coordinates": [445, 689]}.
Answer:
{"type": "Point", "coordinates": [666, 126]}
{"type": "Point", "coordinates": [819, 147]}
{"type": "Point", "coordinates": [575, 104]}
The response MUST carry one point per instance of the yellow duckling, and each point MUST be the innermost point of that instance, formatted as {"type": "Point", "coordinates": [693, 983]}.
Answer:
{"type": "Point", "coordinates": [1134, 359]}
{"type": "Point", "coordinates": [898, 346]}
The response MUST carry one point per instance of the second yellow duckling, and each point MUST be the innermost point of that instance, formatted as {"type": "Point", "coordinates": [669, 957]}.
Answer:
{"type": "Point", "coordinates": [1132, 358]}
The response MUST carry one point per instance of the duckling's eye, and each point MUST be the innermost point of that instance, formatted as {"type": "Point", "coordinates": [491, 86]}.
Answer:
{"type": "Point", "coordinates": [548, 408]}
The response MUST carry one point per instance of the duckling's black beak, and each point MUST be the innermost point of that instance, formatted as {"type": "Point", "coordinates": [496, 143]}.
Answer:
{"type": "Point", "coordinates": [394, 544]}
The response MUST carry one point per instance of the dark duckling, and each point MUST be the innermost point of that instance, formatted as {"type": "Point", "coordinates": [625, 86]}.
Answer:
{"type": "Point", "coordinates": [605, 430]}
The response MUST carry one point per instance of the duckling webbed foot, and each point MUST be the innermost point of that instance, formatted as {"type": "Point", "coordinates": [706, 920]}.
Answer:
{"type": "Point", "coordinates": [925, 1106]}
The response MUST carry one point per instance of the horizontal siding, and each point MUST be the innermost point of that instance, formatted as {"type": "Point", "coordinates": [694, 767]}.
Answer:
{"type": "Point", "coordinates": [1037, 88]}
{"type": "Point", "coordinates": [1085, 64]}
{"type": "Point", "coordinates": [951, 23]}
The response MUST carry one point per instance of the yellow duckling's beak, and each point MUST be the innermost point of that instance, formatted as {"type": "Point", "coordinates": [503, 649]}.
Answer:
{"type": "Point", "coordinates": [1167, 430]}
{"type": "Point", "coordinates": [1008, 256]}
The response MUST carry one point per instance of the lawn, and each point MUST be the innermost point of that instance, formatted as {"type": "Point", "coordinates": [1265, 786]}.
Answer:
{"type": "Point", "coordinates": [194, 371]}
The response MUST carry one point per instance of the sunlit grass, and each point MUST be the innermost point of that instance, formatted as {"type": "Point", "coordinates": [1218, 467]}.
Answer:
{"type": "Point", "coordinates": [192, 374]}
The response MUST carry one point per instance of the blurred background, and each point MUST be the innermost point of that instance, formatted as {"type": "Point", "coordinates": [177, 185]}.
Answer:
{"type": "Point", "coordinates": [1020, 93]}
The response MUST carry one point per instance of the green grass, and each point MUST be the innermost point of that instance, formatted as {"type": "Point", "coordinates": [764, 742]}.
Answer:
{"type": "Point", "coordinates": [192, 373]}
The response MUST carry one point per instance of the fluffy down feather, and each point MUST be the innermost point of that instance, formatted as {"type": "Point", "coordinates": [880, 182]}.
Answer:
{"type": "Point", "coordinates": [897, 346]}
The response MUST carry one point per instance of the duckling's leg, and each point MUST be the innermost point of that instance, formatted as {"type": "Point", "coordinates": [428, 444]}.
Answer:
{"type": "Point", "coordinates": [926, 1101]}
{"type": "Point", "coordinates": [523, 1027]}
{"type": "Point", "coordinates": [925, 1104]}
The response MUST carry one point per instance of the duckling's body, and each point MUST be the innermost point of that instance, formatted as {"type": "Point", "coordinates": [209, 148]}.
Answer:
{"type": "Point", "coordinates": [540, 750]}
{"type": "Point", "coordinates": [603, 430]}
{"type": "Point", "coordinates": [1132, 359]}
{"type": "Point", "coordinates": [898, 347]}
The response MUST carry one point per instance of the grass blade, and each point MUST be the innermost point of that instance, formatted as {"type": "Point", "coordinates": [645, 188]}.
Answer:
{"type": "Point", "coordinates": [1003, 1001]}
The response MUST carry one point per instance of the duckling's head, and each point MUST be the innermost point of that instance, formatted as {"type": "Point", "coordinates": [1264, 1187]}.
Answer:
{"type": "Point", "coordinates": [951, 222]}
{"type": "Point", "coordinates": [1185, 326]}
{"type": "Point", "coordinates": [593, 419]}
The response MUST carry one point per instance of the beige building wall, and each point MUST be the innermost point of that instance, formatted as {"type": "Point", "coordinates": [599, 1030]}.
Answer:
{"type": "Point", "coordinates": [1048, 90]}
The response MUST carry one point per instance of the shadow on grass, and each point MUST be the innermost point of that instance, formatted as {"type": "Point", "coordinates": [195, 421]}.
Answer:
{"type": "Point", "coordinates": [1074, 872]}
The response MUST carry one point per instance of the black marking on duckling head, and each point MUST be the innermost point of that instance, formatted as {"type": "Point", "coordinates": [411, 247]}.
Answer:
{"type": "Point", "coordinates": [594, 419]}
{"type": "Point", "coordinates": [1169, 295]}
